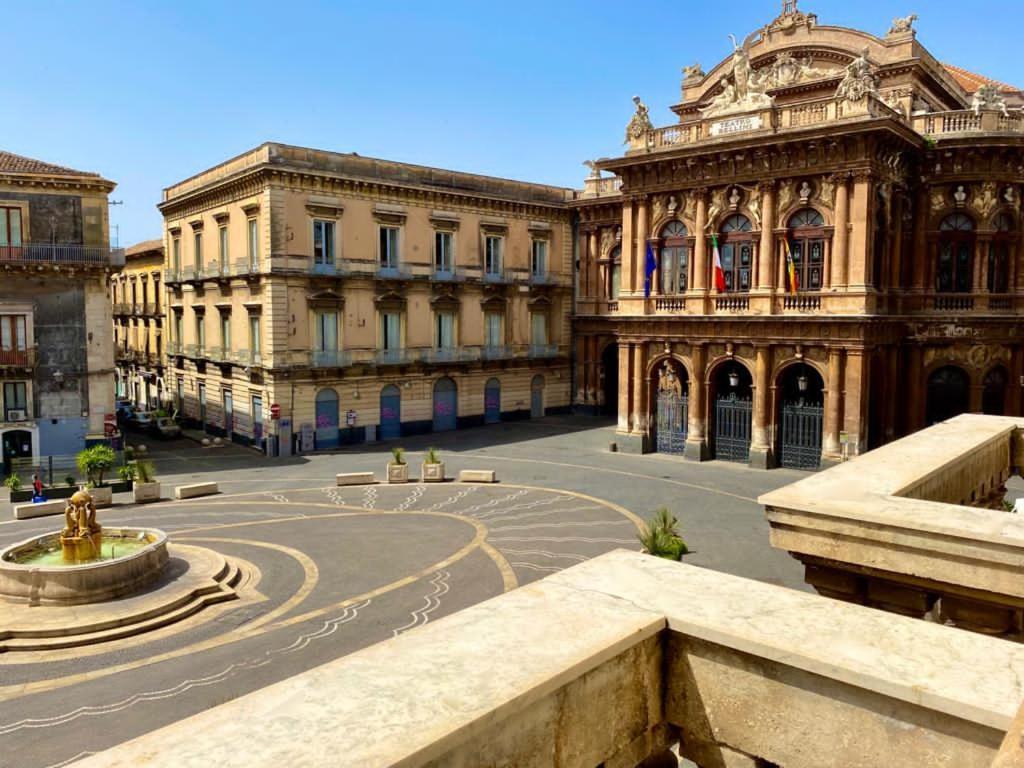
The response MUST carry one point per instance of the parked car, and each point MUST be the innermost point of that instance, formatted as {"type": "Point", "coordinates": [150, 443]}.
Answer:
{"type": "Point", "coordinates": [123, 409]}
{"type": "Point", "coordinates": [164, 426]}
{"type": "Point", "coordinates": [140, 419]}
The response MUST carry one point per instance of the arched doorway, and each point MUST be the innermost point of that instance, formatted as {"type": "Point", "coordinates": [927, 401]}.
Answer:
{"type": "Point", "coordinates": [16, 444]}
{"type": "Point", "coordinates": [492, 401]}
{"type": "Point", "coordinates": [732, 409]}
{"type": "Point", "coordinates": [390, 412]}
{"type": "Point", "coordinates": [948, 394]}
{"type": "Point", "coordinates": [445, 405]}
{"type": "Point", "coordinates": [801, 398]}
{"type": "Point", "coordinates": [537, 397]}
{"type": "Point", "coordinates": [610, 380]}
{"type": "Point", "coordinates": [327, 434]}
{"type": "Point", "coordinates": [671, 407]}
{"type": "Point", "coordinates": [993, 393]}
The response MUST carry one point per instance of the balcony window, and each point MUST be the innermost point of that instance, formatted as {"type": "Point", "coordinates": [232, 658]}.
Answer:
{"type": "Point", "coordinates": [539, 258]}
{"type": "Point", "coordinates": [492, 255]}
{"type": "Point", "coordinates": [13, 340]}
{"type": "Point", "coordinates": [222, 239]}
{"type": "Point", "coordinates": [538, 329]}
{"type": "Point", "coordinates": [737, 253]}
{"type": "Point", "coordinates": [615, 273]}
{"type": "Point", "coordinates": [807, 248]}
{"type": "Point", "coordinates": [10, 227]}
{"type": "Point", "coordinates": [178, 335]}
{"type": "Point", "coordinates": [253, 242]}
{"type": "Point", "coordinates": [326, 332]}
{"type": "Point", "coordinates": [494, 335]}
{"type": "Point", "coordinates": [999, 251]}
{"type": "Point", "coordinates": [389, 247]}
{"type": "Point", "coordinates": [390, 330]}
{"type": "Point", "coordinates": [445, 330]}
{"type": "Point", "coordinates": [225, 331]}
{"type": "Point", "coordinates": [254, 335]}
{"type": "Point", "coordinates": [323, 242]}
{"type": "Point", "coordinates": [197, 239]}
{"type": "Point", "coordinates": [953, 272]}
{"type": "Point", "coordinates": [15, 400]}
{"type": "Point", "coordinates": [674, 258]}
{"type": "Point", "coordinates": [176, 254]}
{"type": "Point", "coordinates": [200, 332]}
{"type": "Point", "coordinates": [443, 255]}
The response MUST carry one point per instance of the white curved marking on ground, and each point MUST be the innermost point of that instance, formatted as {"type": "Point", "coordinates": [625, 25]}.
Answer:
{"type": "Point", "coordinates": [544, 512]}
{"type": "Point", "coordinates": [432, 602]}
{"type": "Point", "coordinates": [563, 539]}
{"type": "Point", "coordinates": [492, 502]}
{"type": "Point", "coordinates": [525, 505]}
{"type": "Point", "coordinates": [329, 627]}
{"type": "Point", "coordinates": [417, 491]}
{"type": "Point", "coordinates": [564, 524]}
{"type": "Point", "coordinates": [545, 553]}
{"type": "Point", "coordinates": [70, 760]}
{"type": "Point", "coordinates": [452, 499]}
{"type": "Point", "coordinates": [370, 497]}
{"type": "Point", "coordinates": [533, 567]}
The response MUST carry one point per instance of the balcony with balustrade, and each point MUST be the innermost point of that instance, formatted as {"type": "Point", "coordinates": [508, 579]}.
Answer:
{"type": "Point", "coordinates": [61, 255]}
{"type": "Point", "coordinates": [17, 359]}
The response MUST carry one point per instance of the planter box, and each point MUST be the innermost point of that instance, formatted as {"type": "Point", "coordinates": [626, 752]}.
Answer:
{"type": "Point", "coordinates": [433, 473]}
{"type": "Point", "coordinates": [145, 492]}
{"type": "Point", "coordinates": [102, 496]}
{"type": "Point", "coordinates": [398, 473]}
{"type": "Point", "coordinates": [122, 486]}
{"type": "Point", "coordinates": [56, 492]}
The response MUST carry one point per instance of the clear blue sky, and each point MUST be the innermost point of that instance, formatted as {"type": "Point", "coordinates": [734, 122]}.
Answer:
{"type": "Point", "coordinates": [149, 93]}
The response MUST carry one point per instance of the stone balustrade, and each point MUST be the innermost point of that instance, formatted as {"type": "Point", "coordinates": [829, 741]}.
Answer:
{"type": "Point", "coordinates": [610, 663]}
{"type": "Point", "coordinates": [916, 526]}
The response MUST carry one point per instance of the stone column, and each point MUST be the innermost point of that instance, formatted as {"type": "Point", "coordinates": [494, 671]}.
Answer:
{"type": "Point", "coordinates": [896, 253]}
{"type": "Point", "coordinates": [760, 446]}
{"type": "Point", "coordinates": [627, 245]}
{"type": "Point", "coordinates": [700, 244]}
{"type": "Point", "coordinates": [892, 389]}
{"type": "Point", "coordinates": [696, 437]}
{"type": "Point", "coordinates": [625, 362]}
{"type": "Point", "coordinates": [640, 258]}
{"type": "Point", "coordinates": [580, 396]}
{"type": "Point", "coordinates": [640, 389]}
{"type": "Point", "coordinates": [858, 248]}
{"type": "Point", "coordinates": [830, 447]}
{"type": "Point", "coordinates": [841, 235]}
{"type": "Point", "coordinates": [974, 398]}
{"type": "Point", "coordinates": [919, 257]}
{"type": "Point", "coordinates": [916, 395]}
{"type": "Point", "coordinates": [766, 253]}
{"type": "Point", "coordinates": [855, 400]}
{"type": "Point", "coordinates": [586, 256]}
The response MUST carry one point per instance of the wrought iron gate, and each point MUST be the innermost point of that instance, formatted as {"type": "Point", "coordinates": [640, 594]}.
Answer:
{"type": "Point", "coordinates": [732, 428]}
{"type": "Point", "coordinates": [671, 424]}
{"type": "Point", "coordinates": [800, 446]}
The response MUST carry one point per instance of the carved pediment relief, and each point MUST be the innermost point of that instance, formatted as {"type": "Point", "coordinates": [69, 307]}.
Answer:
{"type": "Point", "coordinates": [787, 70]}
{"type": "Point", "coordinates": [325, 300]}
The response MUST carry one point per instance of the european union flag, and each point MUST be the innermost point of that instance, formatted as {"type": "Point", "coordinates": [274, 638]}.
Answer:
{"type": "Point", "coordinates": [649, 267]}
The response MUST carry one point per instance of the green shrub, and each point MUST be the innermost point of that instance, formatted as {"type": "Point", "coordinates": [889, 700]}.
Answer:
{"type": "Point", "coordinates": [398, 455]}
{"type": "Point", "coordinates": [126, 473]}
{"type": "Point", "coordinates": [94, 462]}
{"type": "Point", "coordinates": [146, 471]}
{"type": "Point", "coordinates": [13, 482]}
{"type": "Point", "coordinates": [661, 538]}
{"type": "Point", "coordinates": [70, 480]}
{"type": "Point", "coordinates": [432, 457]}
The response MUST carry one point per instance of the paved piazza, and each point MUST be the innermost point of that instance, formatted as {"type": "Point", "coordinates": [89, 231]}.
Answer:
{"type": "Point", "coordinates": [327, 570]}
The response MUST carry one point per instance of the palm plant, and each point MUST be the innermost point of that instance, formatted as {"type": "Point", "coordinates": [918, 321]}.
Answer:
{"type": "Point", "coordinates": [398, 455]}
{"type": "Point", "coordinates": [146, 471]}
{"type": "Point", "coordinates": [432, 457]}
{"type": "Point", "coordinates": [660, 537]}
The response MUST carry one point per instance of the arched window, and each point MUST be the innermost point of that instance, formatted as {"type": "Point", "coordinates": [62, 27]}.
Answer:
{"type": "Point", "coordinates": [956, 248]}
{"type": "Point", "coordinates": [999, 254]}
{"type": "Point", "coordinates": [615, 272]}
{"type": "Point", "coordinates": [807, 248]}
{"type": "Point", "coordinates": [737, 252]}
{"type": "Point", "coordinates": [674, 258]}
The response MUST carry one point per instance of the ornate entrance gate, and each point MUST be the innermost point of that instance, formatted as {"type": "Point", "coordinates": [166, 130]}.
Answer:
{"type": "Point", "coordinates": [672, 412]}
{"type": "Point", "coordinates": [800, 446]}
{"type": "Point", "coordinates": [732, 428]}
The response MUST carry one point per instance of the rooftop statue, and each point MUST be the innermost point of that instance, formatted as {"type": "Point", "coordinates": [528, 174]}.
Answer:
{"type": "Point", "coordinates": [745, 89]}
{"type": "Point", "coordinates": [859, 81]}
{"type": "Point", "coordinates": [988, 97]}
{"type": "Point", "coordinates": [903, 24]}
{"type": "Point", "coordinates": [693, 72]}
{"type": "Point", "coordinates": [640, 123]}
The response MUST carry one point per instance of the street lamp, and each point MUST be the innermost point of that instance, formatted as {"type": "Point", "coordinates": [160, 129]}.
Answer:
{"type": "Point", "coordinates": [58, 378]}
{"type": "Point", "coordinates": [734, 379]}
{"type": "Point", "coordinates": [801, 382]}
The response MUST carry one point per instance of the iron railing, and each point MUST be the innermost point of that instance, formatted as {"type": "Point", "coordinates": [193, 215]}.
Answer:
{"type": "Point", "coordinates": [543, 350]}
{"type": "Point", "coordinates": [496, 352]}
{"type": "Point", "coordinates": [330, 358]}
{"type": "Point", "coordinates": [53, 253]}
{"type": "Point", "coordinates": [18, 358]}
{"type": "Point", "coordinates": [247, 357]}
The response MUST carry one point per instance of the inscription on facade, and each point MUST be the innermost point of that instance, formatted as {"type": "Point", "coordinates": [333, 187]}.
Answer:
{"type": "Point", "coordinates": [736, 125]}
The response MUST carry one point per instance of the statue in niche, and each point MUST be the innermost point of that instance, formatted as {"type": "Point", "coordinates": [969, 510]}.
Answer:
{"type": "Point", "coordinates": [902, 25]}
{"type": "Point", "coordinates": [668, 381]}
{"type": "Point", "coordinates": [640, 124]}
{"type": "Point", "coordinates": [805, 192]}
{"type": "Point", "coordinates": [960, 196]}
{"type": "Point", "coordinates": [734, 198]}
{"type": "Point", "coordinates": [827, 193]}
{"type": "Point", "coordinates": [985, 200]}
{"type": "Point", "coordinates": [1009, 196]}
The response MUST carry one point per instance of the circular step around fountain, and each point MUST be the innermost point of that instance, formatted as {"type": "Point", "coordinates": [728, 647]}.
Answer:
{"type": "Point", "coordinates": [192, 579]}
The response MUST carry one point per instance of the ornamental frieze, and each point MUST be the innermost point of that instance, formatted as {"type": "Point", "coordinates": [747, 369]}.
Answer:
{"type": "Point", "coordinates": [979, 356]}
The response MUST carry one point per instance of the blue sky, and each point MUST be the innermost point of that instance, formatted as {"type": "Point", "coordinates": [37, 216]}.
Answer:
{"type": "Point", "coordinates": [149, 93]}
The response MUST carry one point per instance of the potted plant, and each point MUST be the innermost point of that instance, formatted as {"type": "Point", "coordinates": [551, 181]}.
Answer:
{"type": "Point", "coordinates": [147, 487]}
{"type": "Point", "coordinates": [661, 538]}
{"type": "Point", "coordinates": [93, 463]}
{"type": "Point", "coordinates": [398, 470]}
{"type": "Point", "coordinates": [433, 467]}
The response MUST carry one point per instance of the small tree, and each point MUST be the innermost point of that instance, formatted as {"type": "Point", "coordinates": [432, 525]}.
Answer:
{"type": "Point", "coordinates": [13, 482]}
{"type": "Point", "coordinates": [661, 538]}
{"type": "Point", "coordinates": [145, 471]}
{"type": "Point", "coordinates": [398, 455]}
{"type": "Point", "coordinates": [94, 462]}
{"type": "Point", "coordinates": [432, 457]}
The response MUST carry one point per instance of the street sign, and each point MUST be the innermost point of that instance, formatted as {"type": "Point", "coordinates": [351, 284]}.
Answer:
{"type": "Point", "coordinates": [844, 438]}
{"type": "Point", "coordinates": [275, 411]}
{"type": "Point", "coordinates": [350, 418]}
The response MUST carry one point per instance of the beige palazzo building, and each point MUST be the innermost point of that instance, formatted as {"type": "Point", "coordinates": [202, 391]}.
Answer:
{"type": "Point", "coordinates": [865, 202]}
{"type": "Point", "coordinates": [318, 298]}
{"type": "Point", "coordinates": [136, 294]}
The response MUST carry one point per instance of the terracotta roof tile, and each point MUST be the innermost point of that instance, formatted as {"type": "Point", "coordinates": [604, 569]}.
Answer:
{"type": "Point", "coordinates": [146, 246]}
{"type": "Point", "coordinates": [972, 81]}
{"type": "Point", "coordinates": [12, 163]}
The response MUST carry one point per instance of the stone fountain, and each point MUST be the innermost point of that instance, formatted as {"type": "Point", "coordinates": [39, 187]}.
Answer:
{"type": "Point", "coordinates": [83, 563]}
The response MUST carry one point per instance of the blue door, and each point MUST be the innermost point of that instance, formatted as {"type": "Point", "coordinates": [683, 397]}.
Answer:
{"type": "Point", "coordinates": [390, 412]}
{"type": "Point", "coordinates": [326, 419]}
{"type": "Point", "coordinates": [492, 401]}
{"type": "Point", "coordinates": [445, 405]}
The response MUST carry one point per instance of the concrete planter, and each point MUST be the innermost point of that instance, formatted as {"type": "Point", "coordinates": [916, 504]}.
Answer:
{"type": "Point", "coordinates": [102, 496]}
{"type": "Point", "coordinates": [433, 473]}
{"type": "Point", "coordinates": [398, 473]}
{"type": "Point", "coordinates": [146, 492]}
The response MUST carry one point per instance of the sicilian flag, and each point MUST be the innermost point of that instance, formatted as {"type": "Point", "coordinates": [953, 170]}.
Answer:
{"type": "Point", "coordinates": [717, 262]}
{"type": "Point", "coordinates": [650, 265]}
{"type": "Point", "coordinates": [792, 280]}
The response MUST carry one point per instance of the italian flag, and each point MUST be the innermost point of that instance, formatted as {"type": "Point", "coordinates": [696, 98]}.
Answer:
{"type": "Point", "coordinates": [793, 280]}
{"type": "Point", "coordinates": [717, 262]}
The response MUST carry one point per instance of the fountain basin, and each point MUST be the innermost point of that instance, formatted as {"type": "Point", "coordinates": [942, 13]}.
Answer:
{"type": "Point", "coordinates": [37, 571]}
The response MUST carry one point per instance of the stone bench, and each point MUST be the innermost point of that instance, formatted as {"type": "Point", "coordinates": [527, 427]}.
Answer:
{"type": "Point", "coordinates": [355, 478]}
{"type": "Point", "coordinates": [477, 476]}
{"type": "Point", "coordinates": [194, 490]}
{"type": "Point", "coordinates": [42, 509]}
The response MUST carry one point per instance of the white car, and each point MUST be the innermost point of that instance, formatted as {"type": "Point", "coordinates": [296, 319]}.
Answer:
{"type": "Point", "coordinates": [140, 419]}
{"type": "Point", "coordinates": [164, 426]}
